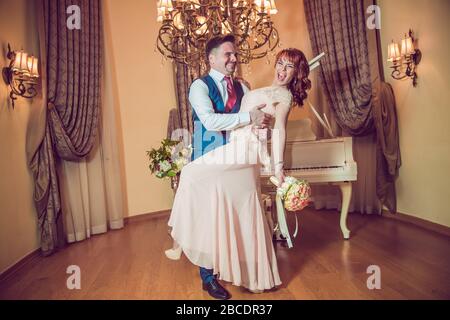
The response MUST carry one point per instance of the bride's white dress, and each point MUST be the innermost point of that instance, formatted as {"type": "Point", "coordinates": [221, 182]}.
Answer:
{"type": "Point", "coordinates": [217, 216]}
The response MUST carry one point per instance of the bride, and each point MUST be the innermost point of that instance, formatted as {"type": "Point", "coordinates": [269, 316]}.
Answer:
{"type": "Point", "coordinates": [217, 217]}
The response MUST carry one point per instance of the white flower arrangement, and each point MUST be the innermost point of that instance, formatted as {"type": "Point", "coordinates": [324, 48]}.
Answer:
{"type": "Point", "coordinates": [169, 158]}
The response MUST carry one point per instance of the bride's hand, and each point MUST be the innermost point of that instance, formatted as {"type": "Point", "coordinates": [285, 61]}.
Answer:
{"type": "Point", "coordinates": [259, 118]}
{"type": "Point", "coordinates": [280, 176]}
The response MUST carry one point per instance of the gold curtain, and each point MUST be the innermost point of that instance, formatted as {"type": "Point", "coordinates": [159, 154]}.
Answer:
{"type": "Point", "coordinates": [71, 64]}
{"type": "Point", "coordinates": [362, 103]}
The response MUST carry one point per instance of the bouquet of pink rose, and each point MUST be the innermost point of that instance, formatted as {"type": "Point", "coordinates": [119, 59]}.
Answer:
{"type": "Point", "coordinates": [292, 195]}
{"type": "Point", "coordinates": [296, 194]}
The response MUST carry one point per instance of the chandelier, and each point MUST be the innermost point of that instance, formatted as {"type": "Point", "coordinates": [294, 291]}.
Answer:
{"type": "Point", "coordinates": [187, 25]}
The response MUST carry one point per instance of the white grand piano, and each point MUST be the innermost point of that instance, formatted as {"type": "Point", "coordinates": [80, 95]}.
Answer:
{"type": "Point", "coordinates": [327, 161]}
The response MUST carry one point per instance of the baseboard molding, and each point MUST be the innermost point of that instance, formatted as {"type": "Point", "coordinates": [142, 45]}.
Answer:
{"type": "Point", "coordinates": [147, 216]}
{"type": "Point", "coordinates": [422, 223]}
{"type": "Point", "coordinates": [19, 264]}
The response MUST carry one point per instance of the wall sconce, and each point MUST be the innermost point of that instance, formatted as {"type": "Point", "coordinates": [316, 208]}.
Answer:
{"type": "Point", "coordinates": [21, 75]}
{"type": "Point", "coordinates": [408, 58]}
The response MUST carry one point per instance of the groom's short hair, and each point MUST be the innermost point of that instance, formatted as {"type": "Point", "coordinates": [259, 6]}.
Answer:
{"type": "Point", "coordinates": [216, 42]}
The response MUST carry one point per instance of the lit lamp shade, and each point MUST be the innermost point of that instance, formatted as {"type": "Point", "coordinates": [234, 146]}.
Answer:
{"type": "Point", "coordinates": [33, 67]}
{"type": "Point", "coordinates": [20, 62]}
{"type": "Point", "coordinates": [178, 22]}
{"type": "Point", "coordinates": [262, 3]}
{"type": "Point", "coordinates": [407, 46]}
{"type": "Point", "coordinates": [393, 52]}
{"type": "Point", "coordinates": [273, 8]}
{"type": "Point", "coordinates": [202, 30]}
{"type": "Point", "coordinates": [160, 15]}
{"type": "Point", "coordinates": [226, 27]}
{"type": "Point", "coordinates": [166, 4]}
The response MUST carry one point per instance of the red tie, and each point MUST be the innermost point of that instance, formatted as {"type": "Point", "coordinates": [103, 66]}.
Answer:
{"type": "Point", "coordinates": [231, 94]}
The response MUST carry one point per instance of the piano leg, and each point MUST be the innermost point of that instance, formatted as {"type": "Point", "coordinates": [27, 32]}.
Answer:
{"type": "Point", "coordinates": [346, 190]}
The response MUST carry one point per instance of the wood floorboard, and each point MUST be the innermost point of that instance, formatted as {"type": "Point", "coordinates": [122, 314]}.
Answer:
{"type": "Point", "coordinates": [130, 264]}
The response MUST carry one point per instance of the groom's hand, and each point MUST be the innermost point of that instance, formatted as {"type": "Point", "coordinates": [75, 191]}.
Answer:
{"type": "Point", "coordinates": [259, 118]}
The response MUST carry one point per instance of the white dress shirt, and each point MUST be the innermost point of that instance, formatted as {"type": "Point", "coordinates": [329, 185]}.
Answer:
{"type": "Point", "coordinates": [202, 104]}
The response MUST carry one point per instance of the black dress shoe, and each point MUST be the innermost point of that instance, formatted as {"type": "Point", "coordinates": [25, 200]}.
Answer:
{"type": "Point", "coordinates": [216, 291]}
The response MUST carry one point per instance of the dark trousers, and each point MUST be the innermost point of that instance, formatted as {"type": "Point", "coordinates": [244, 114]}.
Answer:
{"type": "Point", "coordinates": [206, 275]}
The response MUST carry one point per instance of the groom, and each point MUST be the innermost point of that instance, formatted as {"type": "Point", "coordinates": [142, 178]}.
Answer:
{"type": "Point", "coordinates": [216, 100]}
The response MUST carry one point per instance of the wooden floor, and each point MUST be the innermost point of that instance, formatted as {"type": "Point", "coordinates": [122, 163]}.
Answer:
{"type": "Point", "coordinates": [130, 264]}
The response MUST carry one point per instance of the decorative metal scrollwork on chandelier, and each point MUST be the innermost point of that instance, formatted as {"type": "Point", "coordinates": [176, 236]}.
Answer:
{"type": "Point", "coordinates": [187, 25]}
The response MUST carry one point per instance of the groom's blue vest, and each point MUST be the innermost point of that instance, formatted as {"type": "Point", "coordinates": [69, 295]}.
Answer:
{"type": "Point", "coordinates": [203, 140]}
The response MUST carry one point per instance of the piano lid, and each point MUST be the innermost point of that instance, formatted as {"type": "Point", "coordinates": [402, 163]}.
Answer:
{"type": "Point", "coordinates": [300, 130]}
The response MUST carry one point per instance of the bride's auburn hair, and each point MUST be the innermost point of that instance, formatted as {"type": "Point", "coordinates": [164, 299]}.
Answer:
{"type": "Point", "coordinates": [300, 82]}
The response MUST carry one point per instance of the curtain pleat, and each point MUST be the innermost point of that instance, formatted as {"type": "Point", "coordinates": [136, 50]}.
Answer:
{"type": "Point", "coordinates": [363, 105]}
{"type": "Point", "coordinates": [71, 63]}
